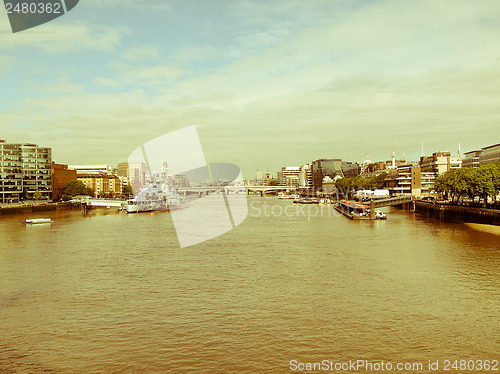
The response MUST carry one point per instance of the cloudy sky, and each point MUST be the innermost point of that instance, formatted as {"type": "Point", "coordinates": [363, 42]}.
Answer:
{"type": "Point", "coordinates": [267, 83]}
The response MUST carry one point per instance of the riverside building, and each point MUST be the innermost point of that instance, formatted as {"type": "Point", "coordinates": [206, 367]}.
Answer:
{"type": "Point", "coordinates": [25, 168]}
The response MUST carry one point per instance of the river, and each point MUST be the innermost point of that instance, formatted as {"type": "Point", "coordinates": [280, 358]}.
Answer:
{"type": "Point", "coordinates": [113, 292]}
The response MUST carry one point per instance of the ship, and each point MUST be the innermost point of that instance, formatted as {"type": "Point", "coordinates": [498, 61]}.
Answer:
{"type": "Point", "coordinates": [154, 197]}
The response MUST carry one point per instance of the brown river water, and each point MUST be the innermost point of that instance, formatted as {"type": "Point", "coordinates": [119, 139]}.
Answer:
{"type": "Point", "coordinates": [111, 292]}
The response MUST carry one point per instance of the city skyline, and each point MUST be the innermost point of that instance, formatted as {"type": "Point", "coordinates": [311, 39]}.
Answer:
{"type": "Point", "coordinates": [271, 85]}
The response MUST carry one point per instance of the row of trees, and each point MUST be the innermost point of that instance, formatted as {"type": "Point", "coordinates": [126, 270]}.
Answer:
{"type": "Point", "coordinates": [345, 184]}
{"type": "Point", "coordinates": [76, 187]}
{"type": "Point", "coordinates": [481, 182]}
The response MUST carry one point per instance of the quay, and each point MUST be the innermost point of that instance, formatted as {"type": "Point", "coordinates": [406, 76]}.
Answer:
{"type": "Point", "coordinates": [454, 213]}
{"type": "Point", "coordinates": [34, 208]}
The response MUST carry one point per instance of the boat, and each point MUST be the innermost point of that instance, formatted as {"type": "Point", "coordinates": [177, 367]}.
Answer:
{"type": "Point", "coordinates": [156, 197]}
{"type": "Point", "coordinates": [34, 221]}
{"type": "Point", "coordinates": [150, 198]}
{"type": "Point", "coordinates": [357, 210]}
{"type": "Point", "coordinates": [306, 200]}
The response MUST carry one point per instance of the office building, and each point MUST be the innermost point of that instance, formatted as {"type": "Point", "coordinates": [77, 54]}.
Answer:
{"type": "Point", "coordinates": [103, 185]}
{"type": "Point", "coordinates": [289, 176]}
{"type": "Point", "coordinates": [489, 155]}
{"type": "Point", "coordinates": [60, 175]}
{"type": "Point", "coordinates": [471, 159]}
{"type": "Point", "coordinates": [440, 162]}
{"type": "Point", "coordinates": [11, 173]}
{"type": "Point", "coordinates": [325, 167]}
{"type": "Point", "coordinates": [136, 172]}
{"type": "Point", "coordinates": [409, 179]}
{"type": "Point", "coordinates": [350, 169]}
{"type": "Point", "coordinates": [92, 169]}
{"type": "Point", "coordinates": [24, 169]}
{"type": "Point", "coordinates": [305, 176]}
{"type": "Point", "coordinates": [37, 170]}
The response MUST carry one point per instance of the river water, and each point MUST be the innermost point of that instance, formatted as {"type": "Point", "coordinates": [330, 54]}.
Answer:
{"type": "Point", "coordinates": [110, 292]}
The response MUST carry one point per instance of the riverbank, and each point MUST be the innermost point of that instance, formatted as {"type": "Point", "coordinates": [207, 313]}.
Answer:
{"type": "Point", "coordinates": [453, 213]}
{"type": "Point", "coordinates": [35, 208]}
{"type": "Point", "coordinates": [490, 229]}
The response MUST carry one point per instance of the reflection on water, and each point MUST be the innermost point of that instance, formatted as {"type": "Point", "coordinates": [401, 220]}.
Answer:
{"type": "Point", "coordinates": [114, 292]}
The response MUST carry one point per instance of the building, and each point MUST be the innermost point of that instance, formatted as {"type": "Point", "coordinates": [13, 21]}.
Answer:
{"type": "Point", "coordinates": [325, 167]}
{"type": "Point", "coordinates": [471, 159]}
{"type": "Point", "coordinates": [24, 169]}
{"type": "Point", "coordinates": [350, 169]}
{"type": "Point", "coordinates": [180, 180]}
{"type": "Point", "coordinates": [11, 173]}
{"type": "Point", "coordinates": [489, 155]}
{"type": "Point", "coordinates": [289, 176]}
{"type": "Point", "coordinates": [136, 173]}
{"type": "Point", "coordinates": [60, 175]}
{"type": "Point", "coordinates": [305, 176]}
{"type": "Point", "coordinates": [409, 179]}
{"type": "Point", "coordinates": [164, 170]}
{"type": "Point", "coordinates": [483, 156]}
{"type": "Point", "coordinates": [440, 162]}
{"type": "Point", "coordinates": [37, 170]}
{"type": "Point", "coordinates": [103, 185]}
{"type": "Point", "coordinates": [92, 169]}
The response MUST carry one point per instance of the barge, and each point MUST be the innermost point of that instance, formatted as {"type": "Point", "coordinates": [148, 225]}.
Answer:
{"type": "Point", "coordinates": [358, 211]}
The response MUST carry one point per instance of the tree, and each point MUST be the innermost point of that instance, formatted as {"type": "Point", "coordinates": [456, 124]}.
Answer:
{"type": "Point", "coordinates": [486, 178]}
{"type": "Point", "coordinates": [127, 190]}
{"type": "Point", "coordinates": [446, 183]}
{"type": "Point", "coordinates": [76, 187]}
{"type": "Point", "coordinates": [37, 195]}
{"type": "Point", "coordinates": [88, 191]}
{"type": "Point", "coordinates": [378, 181]}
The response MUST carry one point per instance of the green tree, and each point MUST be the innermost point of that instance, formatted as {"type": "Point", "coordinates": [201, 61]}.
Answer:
{"type": "Point", "coordinates": [446, 183]}
{"type": "Point", "coordinates": [378, 181]}
{"type": "Point", "coordinates": [127, 190]}
{"type": "Point", "coordinates": [37, 195]}
{"type": "Point", "coordinates": [76, 187]}
{"type": "Point", "coordinates": [486, 181]}
{"type": "Point", "coordinates": [88, 191]}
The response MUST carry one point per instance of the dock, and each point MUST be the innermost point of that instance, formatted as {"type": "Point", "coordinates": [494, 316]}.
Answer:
{"type": "Point", "coordinates": [356, 210]}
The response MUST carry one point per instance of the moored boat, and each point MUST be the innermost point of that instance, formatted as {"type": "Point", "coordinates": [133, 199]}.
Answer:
{"type": "Point", "coordinates": [38, 220]}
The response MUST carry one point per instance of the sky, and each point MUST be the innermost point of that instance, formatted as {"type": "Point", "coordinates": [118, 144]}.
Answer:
{"type": "Point", "coordinates": [266, 83]}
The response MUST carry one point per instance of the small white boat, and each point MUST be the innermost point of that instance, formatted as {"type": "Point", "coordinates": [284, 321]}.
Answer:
{"type": "Point", "coordinates": [38, 220]}
{"type": "Point", "coordinates": [380, 215]}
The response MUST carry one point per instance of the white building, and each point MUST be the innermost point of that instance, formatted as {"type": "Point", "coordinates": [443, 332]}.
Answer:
{"type": "Point", "coordinates": [92, 169]}
{"type": "Point", "coordinates": [289, 176]}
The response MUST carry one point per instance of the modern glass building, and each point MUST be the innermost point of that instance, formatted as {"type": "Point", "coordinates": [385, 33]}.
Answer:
{"type": "Point", "coordinates": [24, 170]}
{"type": "Point", "coordinates": [490, 154]}
{"type": "Point", "coordinates": [11, 173]}
{"type": "Point", "coordinates": [325, 167]}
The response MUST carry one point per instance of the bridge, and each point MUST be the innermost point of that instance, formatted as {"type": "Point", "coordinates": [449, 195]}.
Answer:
{"type": "Point", "coordinates": [233, 189]}
{"type": "Point", "coordinates": [397, 200]}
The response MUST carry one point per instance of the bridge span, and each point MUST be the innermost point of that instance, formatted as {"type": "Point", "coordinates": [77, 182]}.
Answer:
{"type": "Point", "coordinates": [390, 201]}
